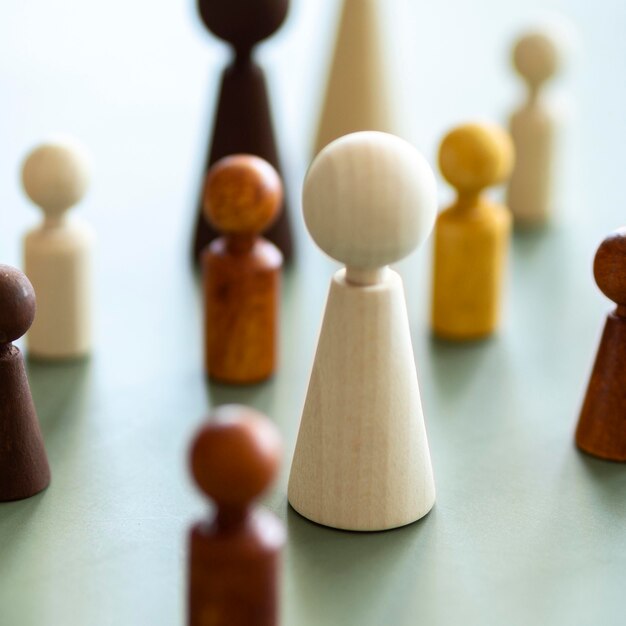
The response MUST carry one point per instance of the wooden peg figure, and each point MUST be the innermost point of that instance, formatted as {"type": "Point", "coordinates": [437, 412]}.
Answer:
{"type": "Point", "coordinates": [241, 271]}
{"type": "Point", "coordinates": [534, 130]}
{"type": "Point", "coordinates": [602, 424]}
{"type": "Point", "coordinates": [357, 95]}
{"type": "Point", "coordinates": [362, 461]}
{"type": "Point", "coordinates": [234, 563]}
{"type": "Point", "coordinates": [57, 253]}
{"type": "Point", "coordinates": [243, 121]}
{"type": "Point", "coordinates": [24, 469]}
{"type": "Point", "coordinates": [471, 236]}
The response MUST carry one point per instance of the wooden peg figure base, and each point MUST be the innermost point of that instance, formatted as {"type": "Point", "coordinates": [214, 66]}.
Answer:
{"type": "Point", "coordinates": [362, 461]}
{"type": "Point", "coordinates": [602, 427]}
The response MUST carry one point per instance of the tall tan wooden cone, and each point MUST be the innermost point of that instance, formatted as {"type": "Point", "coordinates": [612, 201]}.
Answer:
{"type": "Point", "coordinates": [357, 94]}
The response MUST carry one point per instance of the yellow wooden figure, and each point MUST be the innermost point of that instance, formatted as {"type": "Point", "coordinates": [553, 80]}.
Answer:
{"type": "Point", "coordinates": [471, 236]}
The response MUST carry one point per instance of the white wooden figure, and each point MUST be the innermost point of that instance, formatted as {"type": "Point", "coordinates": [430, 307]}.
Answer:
{"type": "Point", "coordinates": [57, 253]}
{"type": "Point", "coordinates": [362, 460]}
{"type": "Point", "coordinates": [534, 130]}
{"type": "Point", "coordinates": [357, 95]}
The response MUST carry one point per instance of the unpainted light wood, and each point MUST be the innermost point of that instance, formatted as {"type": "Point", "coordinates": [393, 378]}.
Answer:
{"type": "Point", "coordinates": [602, 424]}
{"type": "Point", "coordinates": [241, 271]}
{"type": "Point", "coordinates": [534, 128]}
{"type": "Point", "coordinates": [471, 236]}
{"type": "Point", "coordinates": [358, 95]}
{"type": "Point", "coordinates": [57, 253]}
{"type": "Point", "coordinates": [24, 469]}
{"type": "Point", "coordinates": [234, 555]}
{"type": "Point", "coordinates": [362, 460]}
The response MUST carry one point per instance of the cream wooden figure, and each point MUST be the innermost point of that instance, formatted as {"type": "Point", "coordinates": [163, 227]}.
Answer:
{"type": "Point", "coordinates": [471, 236]}
{"type": "Point", "coordinates": [362, 460]}
{"type": "Point", "coordinates": [357, 95]}
{"type": "Point", "coordinates": [57, 254]}
{"type": "Point", "coordinates": [534, 130]}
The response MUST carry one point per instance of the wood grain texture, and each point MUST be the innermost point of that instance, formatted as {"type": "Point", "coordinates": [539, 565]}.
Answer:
{"type": "Point", "coordinates": [243, 119]}
{"type": "Point", "coordinates": [57, 253]}
{"type": "Point", "coordinates": [601, 427]}
{"type": "Point", "coordinates": [241, 271]}
{"type": "Point", "coordinates": [24, 469]}
{"type": "Point", "coordinates": [534, 129]}
{"type": "Point", "coordinates": [357, 95]}
{"type": "Point", "coordinates": [234, 558]}
{"type": "Point", "coordinates": [471, 236]}
{"type": "Point", "coordinates": [362, 460]}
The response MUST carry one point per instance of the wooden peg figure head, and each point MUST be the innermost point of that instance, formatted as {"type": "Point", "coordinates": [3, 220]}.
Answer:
{"type": "Point", "coordinates": [243, 23]}
{"type": "Point", "coordinates": [234, 458]}
{"type": "Point", "coordinates": [55, 176]}
{"type": "Point", "coordinates": [369, 200]}
{"type": "Point", "coordinates": [473, 157]}
{"type": "Point", "coordinates": [17, 304]}
{"type": "Point", "coordinates": [609, 269]}
{"type": "Point", "coordinates": [536, 58]}
{"type": "Point", "coordinates": [243, 195]}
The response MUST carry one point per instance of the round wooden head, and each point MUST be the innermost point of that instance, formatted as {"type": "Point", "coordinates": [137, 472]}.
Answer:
{"type": "Point", "coordinates": [536, 57]}
{"type": "Point", "coordinates": [55, 176]}
{"type": "Point", "coordinates": [241, 22]}
{"type": "Point", "coordinates": [475, 156]}
{"type": "Point", "coordinates": [235, 456]}
{"type": "Point", "coordinates": [243, 195]}
{"type": "Point", "coordinates": [369, 199]}
{"type": "Point", "coordinates": [17, 304]}
{"type": "Point", "coordinates": [609, 267]}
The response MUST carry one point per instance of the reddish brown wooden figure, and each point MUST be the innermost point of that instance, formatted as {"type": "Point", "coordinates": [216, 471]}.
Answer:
{"type": "Point", "coordinates": [602, 425]}
{"type": "Point", "coordinates": [243, 121]}
{"type": "Point", "coordinates": [235, 557]}
{"type": "Point", "coordinates": [24, 469]}
{"type": "Point", "coordinates": [241, 271]}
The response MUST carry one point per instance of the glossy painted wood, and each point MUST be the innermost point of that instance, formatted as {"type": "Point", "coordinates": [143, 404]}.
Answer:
{"type": "Point", "coordinates": [241, 271]}
{"type": "Point", "coordinates": [243, 120]}
{"type": "Point", "coordinates": [362, 460]}
{"type": "Point", "coordinates": [234, 555]}
{"type": "Point", "coordinates": [602, 425]}
{"type": "Point", "coordinates": [472, 235]}
{"type": "Point", "coordinates": [24, 469]}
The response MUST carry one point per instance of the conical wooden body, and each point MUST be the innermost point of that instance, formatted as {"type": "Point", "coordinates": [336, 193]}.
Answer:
{"type": "Point", "coordinates": [24, 469]}
{"type": "Point", "coordinates": [357, 94]}
{"type": "Point", "coordinates": [362, 460]}
{"type": "Point", "coordinates": [243, 125]}
{"type": "Point", "coordinates": [531, 188]}
{"type": "Point", "coordinates": [602, 425]}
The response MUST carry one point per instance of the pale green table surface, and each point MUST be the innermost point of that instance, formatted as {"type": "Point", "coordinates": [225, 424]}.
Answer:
{"type": "Point", "coordinates": [525, 530]}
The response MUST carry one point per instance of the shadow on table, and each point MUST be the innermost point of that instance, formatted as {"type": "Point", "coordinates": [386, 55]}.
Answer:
{"type": "Point", "coordinates": [356, 573]}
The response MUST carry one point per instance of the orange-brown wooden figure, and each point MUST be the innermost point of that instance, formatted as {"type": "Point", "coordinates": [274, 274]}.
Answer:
{"type": "Point", "coordinates": [241, 271]}
{"type": "Point", "coordinates": [602, 424]}
{"type": "Point", "coordinates": [471, 236]}
{"type": "Point", "coordinates": [234, 562]}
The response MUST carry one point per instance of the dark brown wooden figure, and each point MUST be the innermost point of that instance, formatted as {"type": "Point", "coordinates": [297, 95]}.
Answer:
{"type": "Point", "coordinates": [243, 122]}
{"type": "Point", "coordinates": [602, 425]}
{"type": "Point", "coordinates": [24, 469]}
{"type": "Point", "coordinates": [234, 563]}
{"type": "Point", "coordinates": [241, 271]}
